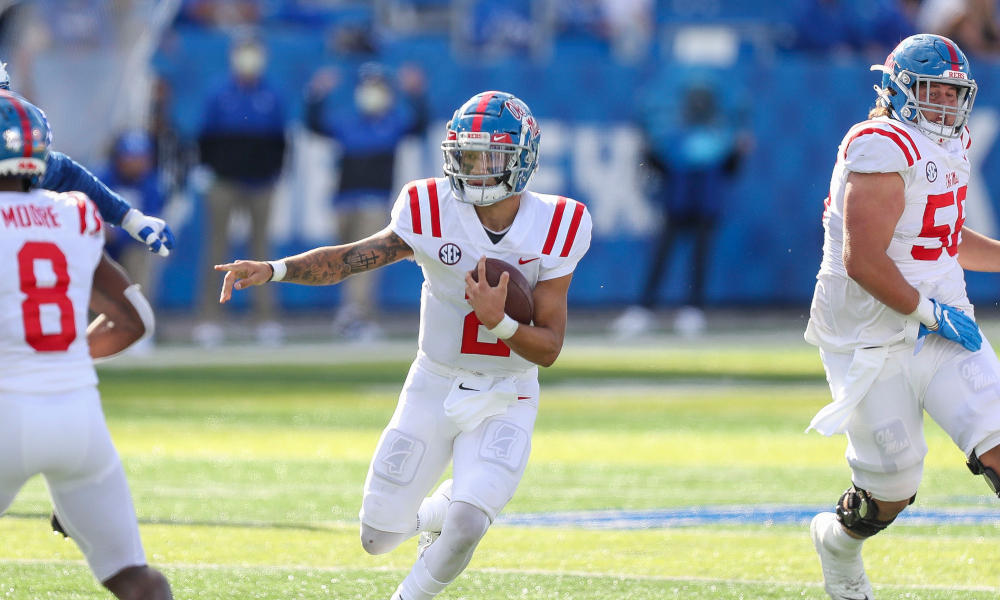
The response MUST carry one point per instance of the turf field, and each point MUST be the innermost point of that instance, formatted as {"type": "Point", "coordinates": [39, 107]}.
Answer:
{"type": "Point", "coordinates": [247, 480]}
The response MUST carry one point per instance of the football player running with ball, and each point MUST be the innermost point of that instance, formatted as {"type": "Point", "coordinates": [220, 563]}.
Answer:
{"type": "Point", "coordinates": [890, 314]}
{"type": "Point", "coordinates": [51, 420]}
{"type": "Point", "coordinates": [471, 395]}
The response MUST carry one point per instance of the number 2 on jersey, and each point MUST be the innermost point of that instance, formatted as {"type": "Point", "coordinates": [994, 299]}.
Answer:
{"type": "Point", "coordinates": [949, 238]}
{"type": "Point", "coordinates": [37, 296]}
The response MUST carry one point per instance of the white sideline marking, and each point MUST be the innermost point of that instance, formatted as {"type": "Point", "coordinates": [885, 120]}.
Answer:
{"type": "Point", "coordinates": [541, 572]}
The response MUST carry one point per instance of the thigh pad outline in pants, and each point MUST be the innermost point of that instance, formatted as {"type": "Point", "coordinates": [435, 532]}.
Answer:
{"type": "Point", "coordinates": [411, 456]}
{"type": "Point", "coordinates": [490, 460]}
{"type": "Point", "coordinates": [66, 439]}
{"type": "Point", "coordinates": [886, 445]}
{"type": "Point", "coordinates": [963, 397]}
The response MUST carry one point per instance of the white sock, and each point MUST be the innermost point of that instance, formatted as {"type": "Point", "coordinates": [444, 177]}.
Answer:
{"type": "Point", "coordinates": [430, 515]}
{"type": "Point", "coordinates": [419, 585]}
{"type": "Point", "coordinates": [840, 542]}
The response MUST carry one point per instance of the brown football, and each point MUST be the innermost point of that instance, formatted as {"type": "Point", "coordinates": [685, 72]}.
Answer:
{"type": "Point", "coordinates": [520, 304]}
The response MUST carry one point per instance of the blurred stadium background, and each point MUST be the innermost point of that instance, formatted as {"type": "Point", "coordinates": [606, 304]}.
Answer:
{"type": "Point", "coordinates": [247, 465]}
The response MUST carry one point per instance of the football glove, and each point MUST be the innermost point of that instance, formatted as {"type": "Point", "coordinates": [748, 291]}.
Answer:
{"type": "Point", "coordinates": [151, 231]}
{"type": "Point", "coordinates": [954, 325]}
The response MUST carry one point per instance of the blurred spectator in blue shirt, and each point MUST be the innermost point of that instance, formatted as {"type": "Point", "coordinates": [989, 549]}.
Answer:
{"type": "Point", "coordinates": [242, 142]}
{"type": "Point", "coordinates": [695, 148]}
{"type": "Point", "coordinates": [368, 132]}
{"type": "Point", "coordinates": [132, 173]}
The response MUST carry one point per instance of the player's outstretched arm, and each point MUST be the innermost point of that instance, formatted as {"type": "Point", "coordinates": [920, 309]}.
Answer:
{"type": "Point", "coordinates": [977, 252]}
{"type": "Point", "coordinates": [123, 315]}
{"type": "Point", "coordinates": [541, 342]}
{"type": "Point", "coordinates": [321, 266]}
{"type": "Point", "coordinates": [63, 174]}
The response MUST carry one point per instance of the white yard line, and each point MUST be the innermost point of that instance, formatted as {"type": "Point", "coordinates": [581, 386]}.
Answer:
{"type": "Point", "coordinates": [540, 572]}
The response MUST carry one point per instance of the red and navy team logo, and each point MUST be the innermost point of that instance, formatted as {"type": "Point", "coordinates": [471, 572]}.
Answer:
{"type": "Point", "coordinates": [450, 254]}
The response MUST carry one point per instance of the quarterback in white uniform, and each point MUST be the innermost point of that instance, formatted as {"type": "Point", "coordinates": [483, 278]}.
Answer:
{"type": "Point", "coordinates": [471, 396]}
{"type": "Point", "coordinates": [890, 313]}
{"type": "Point", "coordinates": [51, 420]}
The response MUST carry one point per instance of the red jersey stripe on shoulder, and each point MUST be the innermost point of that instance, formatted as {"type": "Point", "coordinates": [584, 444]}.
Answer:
{"type": "Point", "coordinates": [82, 207]}
{"type": "Point", "coordinates": [903, 133]}
{"type": "Point", "coordinates": [968, 136]}
{"type": "Point", "coordinates": [550, 240]}
{"type": "Point", "coordinates": [574, 225]}
{"type": "Point", "coordinates": [415, 209]}
{"type": "Point", "coordinates": [484, 102]}
{"type": "Point", "coordinates": [432, 195]}
{"type": "Point", "coordinates": [888, 134]}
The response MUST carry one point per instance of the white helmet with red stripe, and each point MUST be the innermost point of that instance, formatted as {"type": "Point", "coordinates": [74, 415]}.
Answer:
{"type": "Point", "coordinates": [25, 134]}
{"type": "Point", "coordinates": [491, 151]}
{"type": "Point", "coordinates": [908, 74]}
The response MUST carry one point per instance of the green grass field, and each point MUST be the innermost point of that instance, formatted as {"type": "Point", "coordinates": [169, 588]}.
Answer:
{"type": "Point", "coordinates": [248, 480]}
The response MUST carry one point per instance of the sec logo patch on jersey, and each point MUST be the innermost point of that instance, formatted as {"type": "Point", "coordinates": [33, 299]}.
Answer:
{"type": "Point", "coordinates": [450, 254]}
{"type": "Point", "coordinates": [931, 171]}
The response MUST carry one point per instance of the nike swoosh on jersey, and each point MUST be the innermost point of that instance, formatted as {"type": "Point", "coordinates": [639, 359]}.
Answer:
{"type": "Point", "coordinates": [524, 397]}
{"type": "Point", "coordinates": [461, 386]}
{"type": "Point", "coordinates": [521, 261]}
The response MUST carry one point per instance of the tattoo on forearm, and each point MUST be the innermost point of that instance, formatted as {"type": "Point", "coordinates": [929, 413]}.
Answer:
{"type": "Point", "coordinates": [324, 266]}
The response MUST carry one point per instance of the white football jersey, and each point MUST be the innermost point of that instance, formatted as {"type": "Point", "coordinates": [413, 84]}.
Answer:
{"type": "Point", "coordinates": [924, 244]}
{"type": "Point", "coordinates": [50, 247]}
{"type": "Point", "coordinates": [549, 236]}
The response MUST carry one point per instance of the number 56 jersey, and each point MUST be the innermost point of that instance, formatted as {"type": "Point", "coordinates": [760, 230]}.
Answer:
{"type": "Point", "coordinates": [549, 236]}
{"type": "Point", "coordinates": [49, 248]}
{"type": "Point", "coordinates": [924, 246]}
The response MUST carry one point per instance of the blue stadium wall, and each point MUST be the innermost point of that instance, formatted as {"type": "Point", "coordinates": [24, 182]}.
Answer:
{"type": "Point", "coordinates": [768, 245]}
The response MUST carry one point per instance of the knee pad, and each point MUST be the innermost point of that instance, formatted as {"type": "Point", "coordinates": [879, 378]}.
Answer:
{"type": "Point", "coordinates": [858, 512]}
{"type": "Point", "coordinates": [377, 542]}
{"type": "Point", "coordinates": [978, 468]}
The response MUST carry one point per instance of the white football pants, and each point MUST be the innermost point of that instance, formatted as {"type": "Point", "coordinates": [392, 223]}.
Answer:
{"type": "Point", "coordinates": [65, 439]}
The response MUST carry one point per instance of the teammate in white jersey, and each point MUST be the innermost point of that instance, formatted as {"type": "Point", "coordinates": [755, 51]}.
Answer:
{"type": "Point", "coordinates": [51, 421]}
{"type": "Point", "coordinates": [472, 393]}
{"type": "Point", "coordinates": [892, 275]}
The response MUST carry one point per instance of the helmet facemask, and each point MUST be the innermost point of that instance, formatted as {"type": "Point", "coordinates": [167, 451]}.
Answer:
{"type": "Point", "coordinates": [484, 173]}
{"type": "Point", "coordinates": [916, 88]}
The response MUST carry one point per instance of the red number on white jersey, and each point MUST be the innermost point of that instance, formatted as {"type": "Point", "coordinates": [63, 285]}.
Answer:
{"type": "Point", "coordinates": [37, 296]}
{"type": "Point", "coordinates": [947, 235]}
{"type": "Point", "coordinates": [471, 343]}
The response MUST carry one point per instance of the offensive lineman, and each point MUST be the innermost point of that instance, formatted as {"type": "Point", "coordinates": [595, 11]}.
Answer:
{"type": "Point", "coordinates": [892, 275]}
{"type": "Point", "coordinates": [51, 420]}
{"type": "Point", "coordinates": [472, 392]}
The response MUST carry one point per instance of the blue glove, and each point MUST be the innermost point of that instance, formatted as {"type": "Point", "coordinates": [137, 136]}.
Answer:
{"type": "Point", "coordinates": [954, 325]}
{"type": "Point", "coordinates": [151, 231]}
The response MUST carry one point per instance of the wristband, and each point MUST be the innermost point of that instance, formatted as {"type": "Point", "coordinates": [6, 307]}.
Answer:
{"type": "Point", "coordinates": [278, 270]}
{"type": "Point", "coordinates": [925, 313]}
{"type": "Point", "coordinates": [505, 328]}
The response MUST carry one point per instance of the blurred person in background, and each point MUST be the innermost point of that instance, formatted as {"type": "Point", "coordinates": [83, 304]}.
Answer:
{"type": "Point", "coordinates": [242, 143]}
{"type": "Point", "coordinates": [368, 132]}
{"type": "Point", "coordinates": [133, 174]}
{"type": "Point", "coordinates": [694, 153]}
{"type": "Point", "coordinates": [971, 23]}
